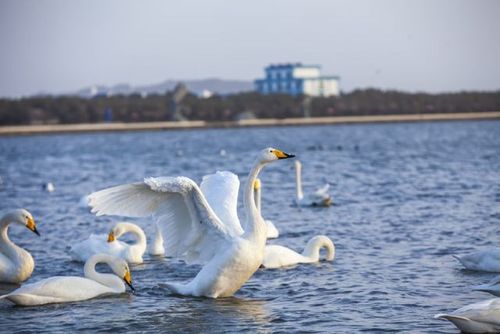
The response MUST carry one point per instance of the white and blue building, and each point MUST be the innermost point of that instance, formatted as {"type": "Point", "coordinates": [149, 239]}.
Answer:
{"type": "Point", "coordinates": [296, 79]}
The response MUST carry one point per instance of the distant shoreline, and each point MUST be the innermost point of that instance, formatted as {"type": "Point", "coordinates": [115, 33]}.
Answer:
{"type": "Point", "coordinates": [150, 126]}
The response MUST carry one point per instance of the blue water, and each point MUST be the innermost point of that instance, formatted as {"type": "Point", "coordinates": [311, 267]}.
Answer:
{"type": "Point", "coordinates": [407, 196]}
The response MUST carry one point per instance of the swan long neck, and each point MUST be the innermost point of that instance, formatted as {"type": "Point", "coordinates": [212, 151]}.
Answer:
{"type": "Point", "coordinates": [314, 246]}
{"type": "Point", "coordinates": [298, 180]}
{"type": "Point", "coordinates": [7, 247]}
{"type": "Point", "coordinates": [110, 280]}
{"type": "Point", "coordinates": [255, 227]}
{"type": "Point", "coordinates": [257, 198]}
{"type": "Point", "coordinates": [140, 237]}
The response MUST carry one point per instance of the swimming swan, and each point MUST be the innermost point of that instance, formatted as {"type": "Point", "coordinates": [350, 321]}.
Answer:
{"type": "Point", "coordinates": [276, 256]}
{"type": "Point", "coordinates": [492, 287]}
{"type": "Point", "coordinates": [16, 264]}
{"type": "Point", "coordinates": [109, 244]}
{"type": "Point", "coordinates": [320, 197]}
{"type": "Point", "coordinates": [63, 289]}
{"type": "Point", "coordinates": [482, 317]}
{"type": "Point", "coordinates": [192, 229]}
{"type": "Point", "coordinates": [272, 231]}
{"type": "Point", "coordinates": [487, 260]}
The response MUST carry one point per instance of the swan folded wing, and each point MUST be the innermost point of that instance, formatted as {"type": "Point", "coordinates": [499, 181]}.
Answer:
{"type": "Point", "coordinates": [63, 288]}
{"type": "Point", "coordinates": [190, 228]}
{"type": "Point", "coordinates": [485, 311]}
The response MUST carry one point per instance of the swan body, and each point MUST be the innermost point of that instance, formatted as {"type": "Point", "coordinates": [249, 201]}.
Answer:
{"type": "Point", "coordinates": [109, 244]}
{"type": "Point", "coordinates": [482, 317]}
{"type": "Point", "coordinates": [276, 256]}
{"type": "Point", "coordinates": [320, 197]}
{"type": "Point", "coordinates": [492, 287]}
{"type": "Point", "coordinates": [62, 289]}
{"type": "Point", "coordinates": [16, 264]}
{"type": "Point", "coordinates": [487, 260]}
{"type": "Point", "coordinates": [193, 231]}
{"type": "Point", "coordinates": [272, 231]}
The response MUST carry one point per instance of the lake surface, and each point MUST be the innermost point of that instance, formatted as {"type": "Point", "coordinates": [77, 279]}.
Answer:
{"type": "Point", "coordinates": [407, 196]}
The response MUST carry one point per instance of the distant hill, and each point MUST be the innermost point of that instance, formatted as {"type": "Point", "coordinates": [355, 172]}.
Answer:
{"type": "Point", "coordinates": [219, 86]}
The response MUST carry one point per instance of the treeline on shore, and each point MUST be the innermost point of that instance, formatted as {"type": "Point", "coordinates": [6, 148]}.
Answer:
{"type": "Point", "coordinates": [156, 107]}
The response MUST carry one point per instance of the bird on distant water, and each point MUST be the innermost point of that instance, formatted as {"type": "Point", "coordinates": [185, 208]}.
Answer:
{"type": "Point", "coordinates": [320, 197]}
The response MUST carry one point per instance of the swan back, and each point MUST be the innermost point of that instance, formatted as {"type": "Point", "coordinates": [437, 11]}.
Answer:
{"type": "Point", "coordinates": [486, 260]}
{"type": "Point", "coordinates": [481, 317]}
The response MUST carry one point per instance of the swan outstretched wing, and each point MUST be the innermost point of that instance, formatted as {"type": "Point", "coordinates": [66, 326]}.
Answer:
{"type": "Point", "coordinates": [221, 191]}
{"type": "Point", "coordinates": [190, 227]}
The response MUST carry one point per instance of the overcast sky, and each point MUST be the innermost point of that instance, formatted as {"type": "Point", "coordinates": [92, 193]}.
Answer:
{"type": "Point", "coordinates": [60, 46]}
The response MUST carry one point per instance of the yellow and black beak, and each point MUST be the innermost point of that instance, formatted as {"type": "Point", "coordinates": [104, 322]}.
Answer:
{"type": "Point", "coordinates": [282, 155]}
{"type": "Point", "coordinates": [32, 226]}
{"type": "Point", "coordinates": [256, 184]}
{"type": "Point", "coordinates": [128, 279]}
{"type": "Point", "coordinates": [111, 237]}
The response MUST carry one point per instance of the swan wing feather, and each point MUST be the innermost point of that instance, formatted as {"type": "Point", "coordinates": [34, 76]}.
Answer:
{"type": "Point", "coordinates": [221, 191]}
{"type": "Point", "coordinates": [190, 228]}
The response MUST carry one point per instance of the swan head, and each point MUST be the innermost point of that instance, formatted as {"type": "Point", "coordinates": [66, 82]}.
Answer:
{"type": "Point", "coordinates": [121, 269]}
{"type": "Point", "coordinates": [271, 154]}
{"type": "Point", "coordinates": [23, 217]}
{"type": "Point", "coordinates": [117, 231]}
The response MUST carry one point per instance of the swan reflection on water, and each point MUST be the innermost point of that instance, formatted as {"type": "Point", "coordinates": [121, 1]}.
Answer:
{"type": "Point", "coordinates": [206, 315]}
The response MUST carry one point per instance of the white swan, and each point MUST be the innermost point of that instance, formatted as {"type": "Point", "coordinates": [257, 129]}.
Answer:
{"type": "Point", "coordinates": [157, 248]}
{"type": "Point", "coordinates": [487, 260]}
{"type": "Point", "coordinates": [108, 244]}
{"type": "Point", "coordinates": [221, 190]}
{"type": "Point", "coordinates": [320, 197]}
{"type": "Point", "coordinates": [62, 289]}
{"type": "Point", "coordinates": [193, 230]}
{"type": "Point", "coordinates": [482, 317]}
{"type": "Point", "coordinates": [16, 264]}
{"type": "Point", "coordinates": [276, 256]}
{"type": "Point", "coordinates": [492, 287]}
{"type": "Point", "coordinates": [272, 231]}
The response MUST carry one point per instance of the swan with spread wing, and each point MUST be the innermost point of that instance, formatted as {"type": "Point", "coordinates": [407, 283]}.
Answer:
{"type": "Point", "coordinates": [194, 231]}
